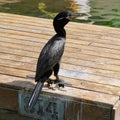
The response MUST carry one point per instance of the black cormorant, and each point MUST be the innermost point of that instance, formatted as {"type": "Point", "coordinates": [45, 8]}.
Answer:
{"type": "Point", "coordinates": [50, 56]}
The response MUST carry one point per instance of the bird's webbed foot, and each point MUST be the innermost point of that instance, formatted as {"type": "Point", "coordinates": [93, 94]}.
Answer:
{"type": "Point", "coordinates": [61, 83]}
{"type": "Point", "coordinates": [57, 83]}
{"type": "Point", "coordinates": [54, 84]}
{"type": "Point", "coordinates": [50, 84]}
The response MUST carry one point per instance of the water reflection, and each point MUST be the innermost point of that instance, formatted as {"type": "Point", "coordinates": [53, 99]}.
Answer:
{"type": "Point", "coordinates": [105, 13]}
{"type": "Point", "coordinates": [50, 8]}
{"type": "Point", "coordinates": [84, 9]}
{"type": "Point", "coordinates": [83, 6]}
{"type": "Point", "coordinates": [99, 12]}
{"type": "Point", "coordinates": [8, 1]}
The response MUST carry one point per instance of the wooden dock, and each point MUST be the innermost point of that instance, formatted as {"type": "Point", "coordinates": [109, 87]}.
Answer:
{"type": "Point", "coordinates": [91, 62]}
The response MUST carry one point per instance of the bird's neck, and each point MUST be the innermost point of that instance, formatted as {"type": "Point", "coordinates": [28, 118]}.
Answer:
{"type": "Point", "coordinates": [61, 32]}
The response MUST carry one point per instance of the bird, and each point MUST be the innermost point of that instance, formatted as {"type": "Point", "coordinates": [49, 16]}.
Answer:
{"type": "Point", "coordinates": [50, 56]}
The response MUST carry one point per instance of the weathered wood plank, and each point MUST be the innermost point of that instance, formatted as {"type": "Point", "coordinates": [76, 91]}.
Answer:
{"type": "Point", "coordinates": [34, 20]}
{"type": "Point", "coordinates": [8, 98]}
{"type": "Point", "coordinates": [12, 61]}
{"type": "Point", "coordinates": [24, 45]}
{"type": "Point", "coordinates": [83, 28]}
{"type": "Point", "coordinates": [106, 46]}
{"type": "Point", "coordinates": [45, 30]}
{"type": "Point", "coordinates": [91, 62]}
{"type": "Point", "coordinates": [17, 58]}
{"type": "Point", "coordinates": [116, 111]}
{"type": "Point", "coordinates": [31, 67]}
{"type": "Point", "coordinates": [38, 42]}
{"type": "Point", "coordinates": [12, 115]}
{"type": "Point", "coordinates": [63, 108]}
{"type": "Point", "coordinates": [81, 68]}
{"type": "Point", "coordinates": [80, 84]}
{"type": "Point", "coordinates": [14, 72]}
{"type": "Point", "coordinates": [69, 34]}
{"type": "Point", "coordinates": [104, 59]}
{"type": "Point", "coordinates": [70, 92]}
{"type": "Point", "coordinates": [113, 76]}
{"type": "Point", "coordinates": [81, 49]}
{"type": "Point", "coordinates": [101, 112]}
{"type": "Point", "coordinates": [100, 54]}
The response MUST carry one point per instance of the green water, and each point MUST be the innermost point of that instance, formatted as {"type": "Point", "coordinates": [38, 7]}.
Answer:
{"type": "Point", "coordinates": [99, 12]}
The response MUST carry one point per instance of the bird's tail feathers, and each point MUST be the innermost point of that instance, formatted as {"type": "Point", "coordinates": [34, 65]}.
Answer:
{"type": "Point", "coordinates": [34, 96]}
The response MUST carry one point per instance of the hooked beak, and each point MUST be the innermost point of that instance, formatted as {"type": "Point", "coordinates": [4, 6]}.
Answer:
{"type": "Point", "coordinates": [73, 16]}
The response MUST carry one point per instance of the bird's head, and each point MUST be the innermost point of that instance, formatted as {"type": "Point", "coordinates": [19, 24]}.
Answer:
{"type": "Point", "coordinates": [62, 19]}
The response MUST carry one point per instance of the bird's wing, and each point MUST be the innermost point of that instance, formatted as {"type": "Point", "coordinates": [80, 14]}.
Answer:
{"type": "Point", "coordinates": [50, 55]}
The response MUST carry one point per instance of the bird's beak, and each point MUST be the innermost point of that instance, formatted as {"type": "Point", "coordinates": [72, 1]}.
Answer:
{"type": "Point", "coordinates": [73, 16]}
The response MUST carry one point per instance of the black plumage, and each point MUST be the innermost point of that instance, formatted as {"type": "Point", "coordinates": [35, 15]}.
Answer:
{"type": "Point", "coordinates": [50, 56]}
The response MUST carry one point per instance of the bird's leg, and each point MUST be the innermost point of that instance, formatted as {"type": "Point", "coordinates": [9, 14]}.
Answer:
{"type": "Point", "coordinates": [56, 70]}
{"type": "Point", "coordinates": [58, 82]}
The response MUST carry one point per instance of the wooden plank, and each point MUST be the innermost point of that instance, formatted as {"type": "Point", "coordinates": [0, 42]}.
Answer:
{"type": "Point", "coordinates": [85, 56]}
{"type": "Point", "coordinates": [100, 112]}
{"type": "Point", "coordinates": [95, 71]}
{"type": "Point", "coordinates": [24, 40]}
{"type": "Point", "coordinates": [48, 33]}
{"type": "Point", "coordinates": [55, 106]}
{"type": "Point", "coordinates": [116, 111]}
{"type": "Point", "coordinates": [82, 84]}
{"type": "Point", "coordinates": [37, 20]}
{"type": "Point", "coordinates": [17, 58]}
{"type": "Point", "coordinates": [106, 46]}
{"type": "Point", "coordinates": [36, 49]}
{"type": "Point", "coordinates": [82, 48]}
{"type": "Point", "coordinates": [92, 43]}
{"type": "Point", "coordinates": [14, 71]}
{"type": "Point", "coordinates": [83, 75]}
{"type": "Point", "coordinates": [8, 98]}
{"type": "Point", "coordinates": [69, 92]}
{"type": "Point", "coordinates": [12, 115]}
{"type": "Point", "coordinates": [97, 59]}
{"type": "Point", "coordinates": [25, 45]}
{"type": "Point", "coordinates": [23, 18]}
{"type": "Point", "coordinates": [68, 48]}
{"type": "Point", "coordinates": [101, 54]}
{"type": "Point", "coordinates": [20, 52]}
{"type": "Point", "coordinates": [65, 59]}
{"type": "Point", "coordinates": [89, 31]}
{"type": "Point", "coordinates": [63, 72]}
{"type": "Point", "coordinates": [91, 64]}
{"type": "Point", "coordinates": [82, 69]}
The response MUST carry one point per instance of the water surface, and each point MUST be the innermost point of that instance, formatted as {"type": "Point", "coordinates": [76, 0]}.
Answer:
{"type": "Point", "coordinates": [98, 12]}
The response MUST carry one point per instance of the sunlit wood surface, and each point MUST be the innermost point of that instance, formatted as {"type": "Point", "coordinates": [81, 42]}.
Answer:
{"type": "Point", "coordinates": [91, 61]}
